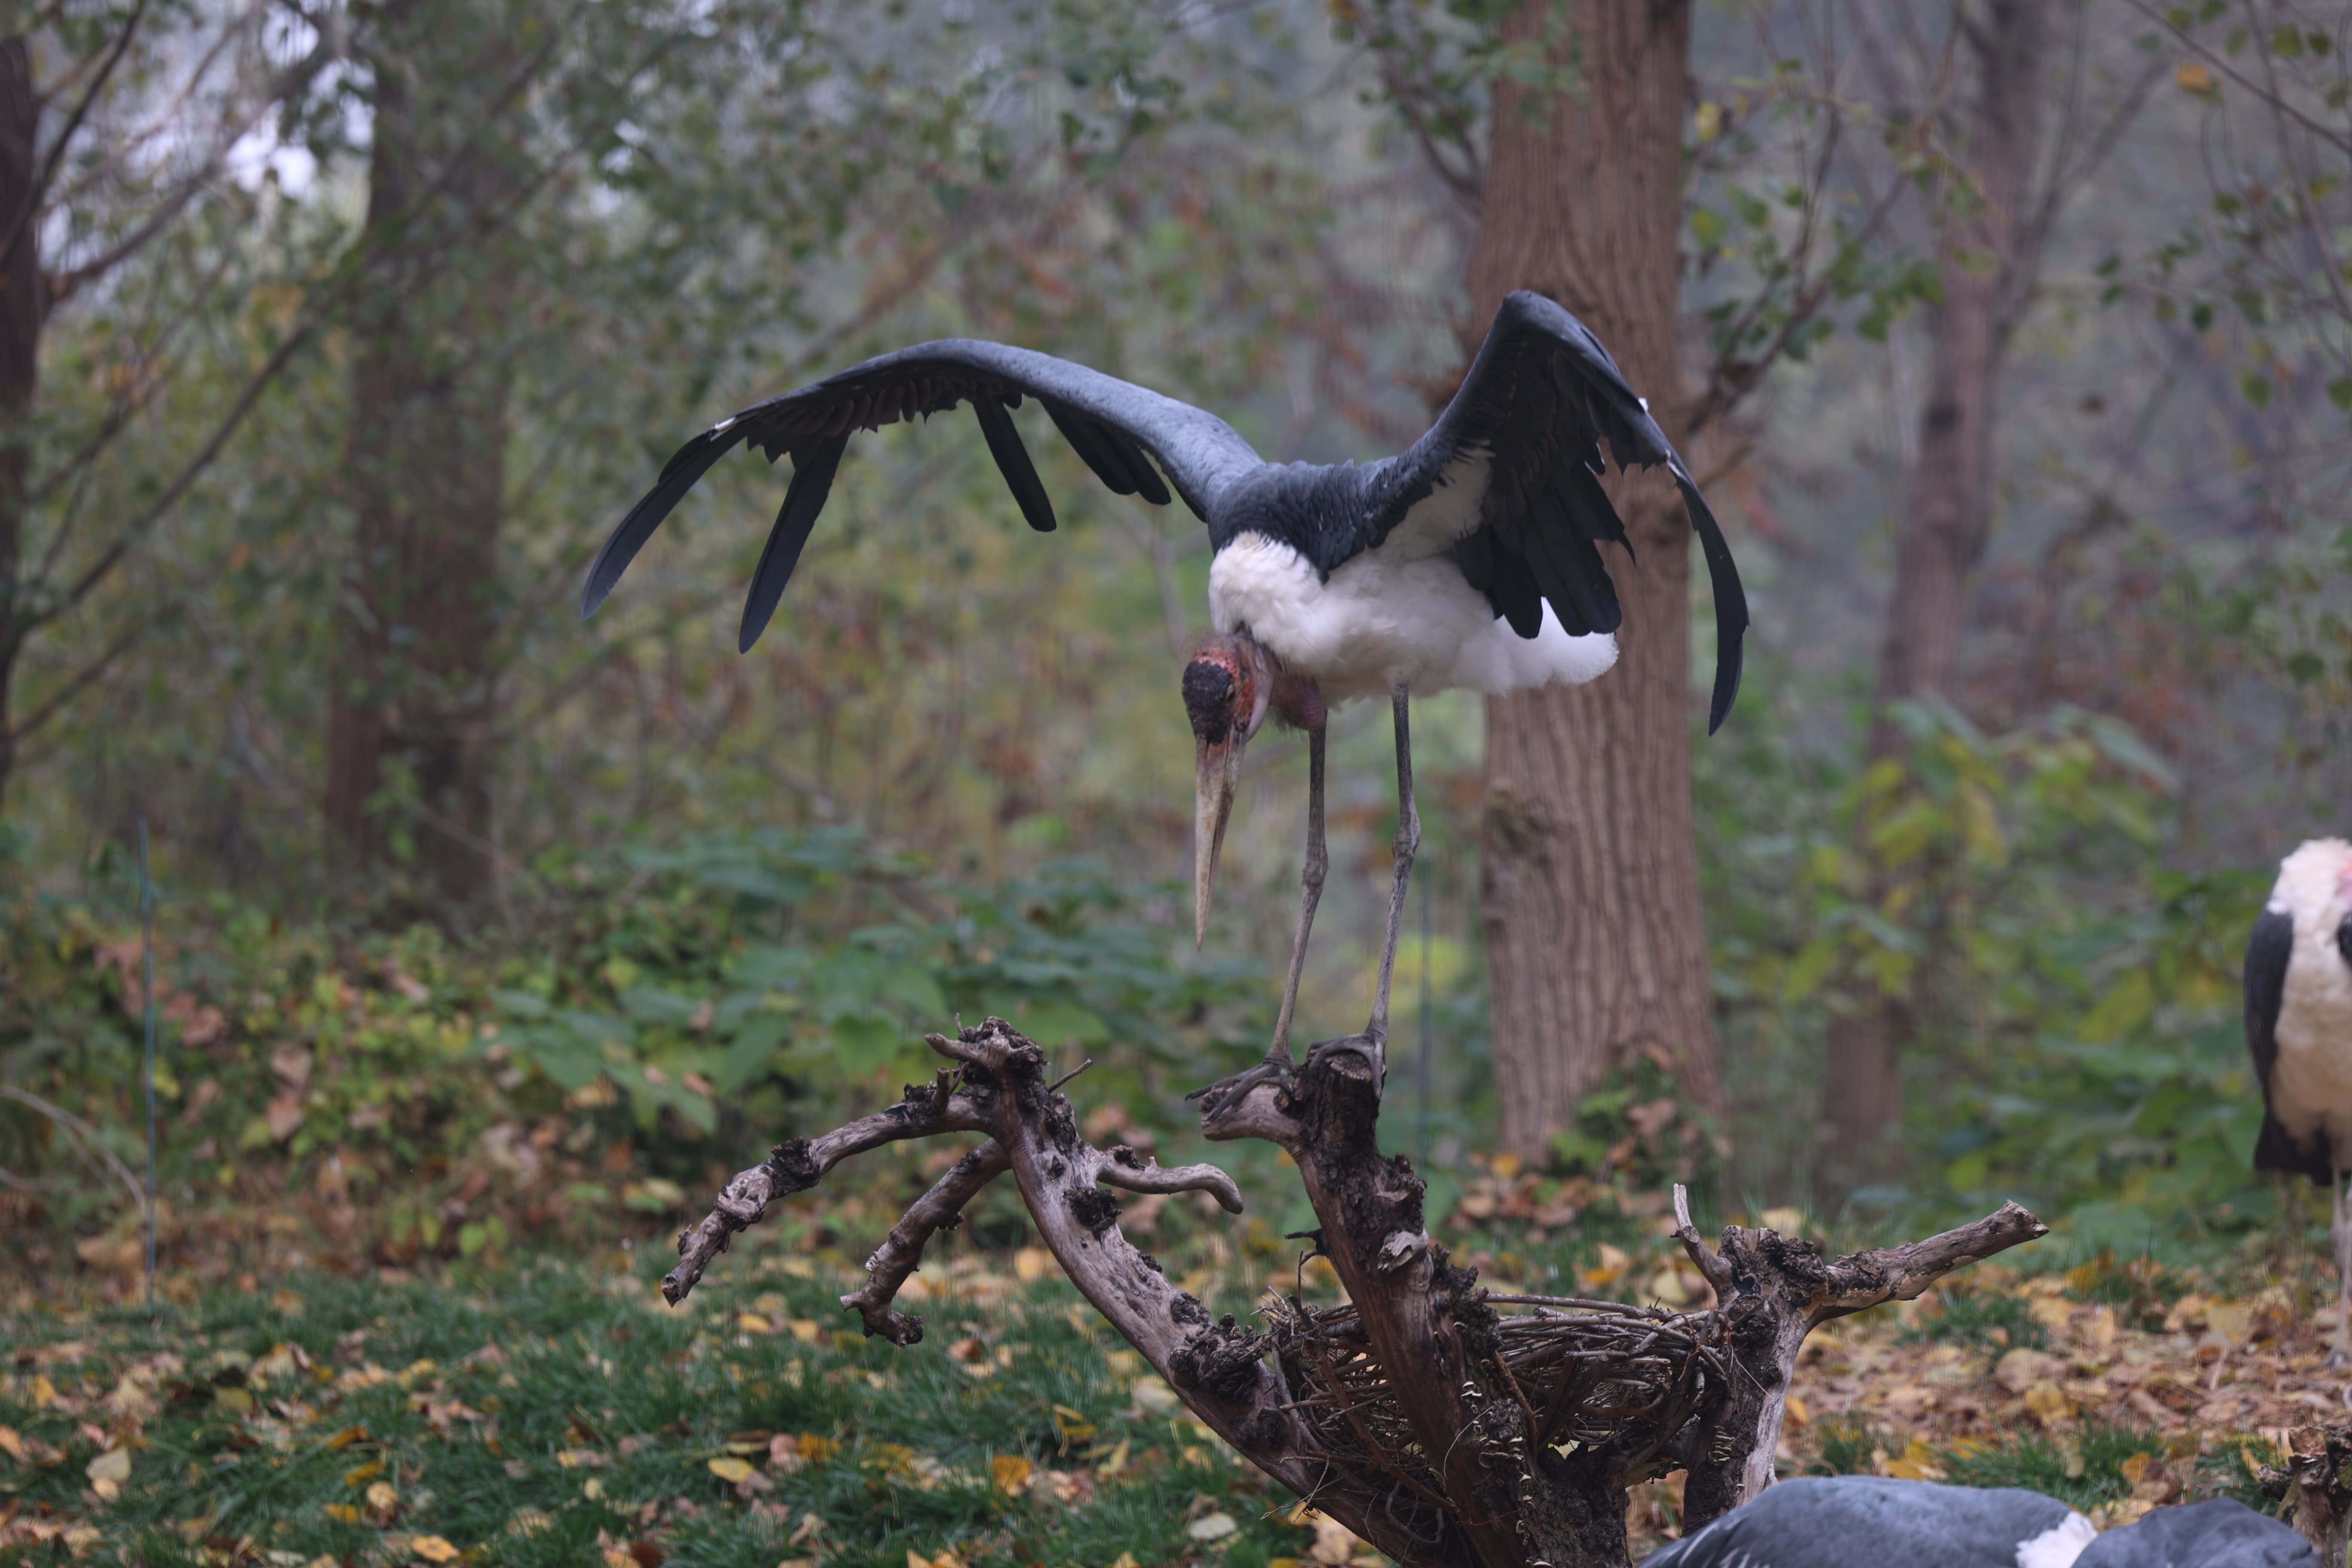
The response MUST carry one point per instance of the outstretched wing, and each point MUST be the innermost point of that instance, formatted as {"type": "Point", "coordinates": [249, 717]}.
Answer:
{"type": "Point", "coordinates": [1519, 451]}
{"type": "Point", "coordinates": [1111, 424]}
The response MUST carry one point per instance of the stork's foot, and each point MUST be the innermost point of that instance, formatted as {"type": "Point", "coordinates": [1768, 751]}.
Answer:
{"type": "Point", "coordinates": [1228, 1092]}
{"type": "Point", "coordinates": [1371, 1045]}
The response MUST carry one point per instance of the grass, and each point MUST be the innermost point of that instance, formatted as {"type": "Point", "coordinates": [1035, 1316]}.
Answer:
{"type": "Point", "coordinates": [544, 1414]}
{"type": "Point", "coordinates": [1990, 1319]}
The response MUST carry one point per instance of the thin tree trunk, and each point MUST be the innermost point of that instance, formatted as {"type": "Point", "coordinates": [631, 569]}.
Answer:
{"type": "Point", "coordinates": [1594, 929]}
{"type": "Point", "coordinates": [427, 466]}
{"type": "Point", "coordinates": [22, 300]}
{"type": "Point", "coordinates": [1990, 255]}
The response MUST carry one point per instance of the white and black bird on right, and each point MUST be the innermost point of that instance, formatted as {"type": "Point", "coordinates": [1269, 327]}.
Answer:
{"type": "Point", "coordinates": [1470, 561]}
{"type": "Point", "coordinates": [2299, 1030]}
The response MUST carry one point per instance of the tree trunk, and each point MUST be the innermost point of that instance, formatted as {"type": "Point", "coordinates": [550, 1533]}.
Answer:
{"type": "Point", "coordinates": [409, 761]}
{"type": "Point", "coordinates": [22, 300]}
{"type": "Point", "coordinates": [1593, 925]}
{"type": "Point", "coordinates": [1989, 257]}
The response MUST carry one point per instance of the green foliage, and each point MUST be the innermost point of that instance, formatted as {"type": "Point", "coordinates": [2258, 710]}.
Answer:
{"type": "Point", "coordinates": [689, 1003]}
{"type": "Point", "coordinates": [2075, 1001]}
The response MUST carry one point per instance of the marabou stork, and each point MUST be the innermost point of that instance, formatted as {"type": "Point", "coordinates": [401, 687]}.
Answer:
{"type": "Point", "coordinates": [2299, 1029]}
{"type": "Point", "coordinates": [1470, 559]}
{"type": "Point", "coordinates": [1871, 1521]}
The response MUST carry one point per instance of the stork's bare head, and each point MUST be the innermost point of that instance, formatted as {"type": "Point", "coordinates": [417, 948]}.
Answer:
{"type": "Point", "coordinates": [1227, 688]}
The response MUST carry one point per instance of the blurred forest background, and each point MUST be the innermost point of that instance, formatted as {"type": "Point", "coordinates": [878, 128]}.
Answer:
{"type": "Point", "coordinates": [333, 338]}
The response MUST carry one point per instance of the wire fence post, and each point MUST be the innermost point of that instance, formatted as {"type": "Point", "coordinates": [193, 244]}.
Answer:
{"type": "Point", "coordinates": [147, 967]}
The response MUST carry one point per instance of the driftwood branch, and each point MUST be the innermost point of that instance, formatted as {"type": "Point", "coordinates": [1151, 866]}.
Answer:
{"type": "Point", "coordinates": [2319, 1472]}
{"type": "Point", "coordinates": [1449, 1426]}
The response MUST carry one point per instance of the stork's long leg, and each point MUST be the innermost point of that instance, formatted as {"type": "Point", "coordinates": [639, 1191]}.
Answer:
{"type": "Point", "coordinates": [1311, 882]}
{"type": "Point", "coordinates": [1407, 845]}
{"type": "Point", "coordinates": [1277, 1065]}
{"type": "Point", "coordinates": [2339, 1193]}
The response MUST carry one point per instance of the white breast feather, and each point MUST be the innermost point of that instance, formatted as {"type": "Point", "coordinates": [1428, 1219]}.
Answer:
{"type": "Point", "coordinates": [2311, 1087]}
{"type": "Point", "coordinates": [2058, 1546]}
{"type": "Point", "coordinates": [1380, 620]}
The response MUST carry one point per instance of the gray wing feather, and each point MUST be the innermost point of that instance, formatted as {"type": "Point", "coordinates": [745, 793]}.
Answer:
{"type": "Point", "coordinates": [1117, 428]}
{"type": "Point", "coordinates": [1869, 1522]}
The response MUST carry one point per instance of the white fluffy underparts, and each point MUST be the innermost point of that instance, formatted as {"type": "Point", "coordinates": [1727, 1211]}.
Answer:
{"type": "Point", "coordinates": [1379, 620]}
{"type": "Point", "coordinates": [2311, 1086]}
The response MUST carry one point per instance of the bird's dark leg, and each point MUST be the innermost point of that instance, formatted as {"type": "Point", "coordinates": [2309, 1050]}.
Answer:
{"type": "Point", "coordinates": [1407, 846]}
{"type": "Point", "coordinates": [1372, 1043]}
{"type": "Point", "coordinates": [1310, 884]}
{"type": "Point", "coordinates": [1277, 1065]}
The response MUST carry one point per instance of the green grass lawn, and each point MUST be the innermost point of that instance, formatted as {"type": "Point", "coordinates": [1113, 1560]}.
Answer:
{"type": "Point", "coordinates": [548, 1412]}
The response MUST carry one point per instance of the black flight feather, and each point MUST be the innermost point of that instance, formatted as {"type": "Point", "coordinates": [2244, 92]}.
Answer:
{"type": "Point", "coordinates": [689, 463]}
{"type": "Point", "coordinates": [812, 474]}
{"type": "Point", "coordinates": [1012, 458]}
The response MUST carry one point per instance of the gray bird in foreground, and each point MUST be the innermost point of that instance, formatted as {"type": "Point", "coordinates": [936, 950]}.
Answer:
{"type": "Point", "coordinates": [2216, 1534]}
{"type": "Point", "coordinates": [1871, 1521]}
{"type": "Point", "coordinates": [1469, 561]}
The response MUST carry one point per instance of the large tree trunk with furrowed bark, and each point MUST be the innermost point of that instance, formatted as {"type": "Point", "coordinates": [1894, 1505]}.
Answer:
{"type": "Point", "coordinates": [1990, 258]}
{"type": "Point", "coordinates": [409, 753]}
{"type": "Point", "coordinates": [1449, 1426]}
{"type": "Point", "coordinates": [1595, 934]}
{"type": "Point", "coordinates": [22, 306]}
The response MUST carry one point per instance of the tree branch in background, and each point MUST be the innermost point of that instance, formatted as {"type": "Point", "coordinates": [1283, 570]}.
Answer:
{"type": "Point", "coordinates": [21, 224]}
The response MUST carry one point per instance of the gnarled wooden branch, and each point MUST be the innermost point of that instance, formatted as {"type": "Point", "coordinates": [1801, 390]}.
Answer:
{"type": "Point", "coordinates": [1779, 1290]}
{"type": "Point", "coordinates": [1447, 1433]}
{"type": "Point", "coordinates": [936, 1210]}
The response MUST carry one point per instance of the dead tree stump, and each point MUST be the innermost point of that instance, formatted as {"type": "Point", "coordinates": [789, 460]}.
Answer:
{"type": "Point", "coordinates": [1451, 1426]}
{"type": "Point", "coordinates": [2319, 1474]}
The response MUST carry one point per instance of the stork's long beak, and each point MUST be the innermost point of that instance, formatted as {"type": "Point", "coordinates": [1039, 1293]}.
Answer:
{"type": "Point", "coordinates": [1219, 768]}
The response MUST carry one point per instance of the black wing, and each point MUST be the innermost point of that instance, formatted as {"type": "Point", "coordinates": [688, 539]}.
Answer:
{"type": "Point", "coordinates": [2269, 951]}
{"type": "Point", "coordinates": [1111, 424]}
{"type": "Point", "coordinates": [1539, 399]}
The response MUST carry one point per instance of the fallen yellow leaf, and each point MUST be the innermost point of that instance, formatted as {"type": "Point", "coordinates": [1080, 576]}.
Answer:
{"type": "Point", "coordinates": [1011, 1472]}
{"type": "Point", "coordinates": [109, 1471]}
{"type": "Point", "coordinates": [433, 1549]}
{"type": "Point", "coordinates": [347, 1436]}
{"type": "Point", "coordinates": [12, 1444]}
{"type": "Point", "coordinates": [381, 1496]}
{"type": "Point", "coordinates": [363, 1474]}
{"type": "Point", "coordinates": [730, 1468]}
{"type": "Point", "coordinates": [342, 1513]}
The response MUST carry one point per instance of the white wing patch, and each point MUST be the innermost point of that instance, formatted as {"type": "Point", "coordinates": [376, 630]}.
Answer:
{"type": "Point", "coordinates": [1432, 523]}
{"type": "Point", "coordinates": [2058, 1546]}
